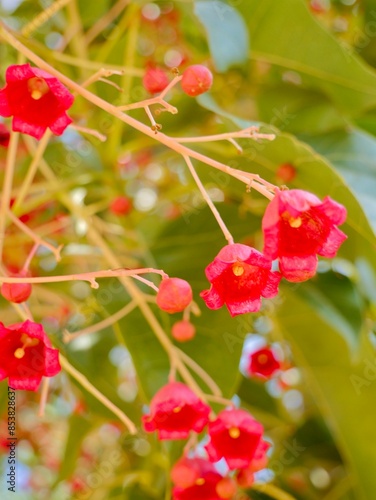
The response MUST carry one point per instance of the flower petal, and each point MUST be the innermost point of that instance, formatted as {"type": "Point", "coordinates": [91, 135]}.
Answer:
{"type": "Point", "coordinates": [332, 244]}
{"type": "Point", "coordinates": [25, 384]}
{"type": "Point", "coordinates": [60, 124]}
{"type": "Point", "coordinates": [19, 125]}
{"type": "Point", "coordinates": [18, 72]}
{"type": "Point", "coordinates": [297, 269]}
{"type": "Point", "coordinates": [212, 298]}
{"type": "Point", "coordinates": [335, 212]}
{"type": "Point", "coordinates": [246, 306]}
{"type": "Point", "coordinates": [271, 288]}
{"type": "Point", "coordinates": [52, 364]}
{"type": "Point", "coordinates": [4, 104]}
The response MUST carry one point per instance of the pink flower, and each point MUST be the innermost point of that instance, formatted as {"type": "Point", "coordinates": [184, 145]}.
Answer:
{"type": "Point", "coordinates": [175, 411]}
{"type": "Point", "coordinates": [36, 100]}
{"type": "Point", "coordinates": [297, 226]}
{"type": "Point", "coordinates": [235, 436]}
{"type": "Point", "coordinates": [195, 479]}
{"type": "Point", "coordinates": [26, 355]}
{"type": "Point", "coordinates": [239, 275]}
{"type": "Point", "coordinates": [263, 363]}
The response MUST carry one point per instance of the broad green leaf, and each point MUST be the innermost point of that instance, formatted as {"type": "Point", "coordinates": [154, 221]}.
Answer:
{"type": "Point", "coordinates": [309, 50]}
{"type": "Point", "coordinates": [344, 390]}
{"type": "Point", "coordinates": [227, 33]}
{"type": "Point", "coordinates": [352, 153]}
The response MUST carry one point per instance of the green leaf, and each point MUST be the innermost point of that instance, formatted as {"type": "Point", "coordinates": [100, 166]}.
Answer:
{"type": "Point", "coordinates": [309, 50]}
{"type": "Point", "coordinates": [344, 390]}
{"type": "Point", "coordinates": [227, 33]}
{"type": "Point", "coordinates": [352, 153]}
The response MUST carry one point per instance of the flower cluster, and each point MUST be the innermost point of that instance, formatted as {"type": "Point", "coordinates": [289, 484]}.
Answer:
{"type": "Point", "coordinates": [297, 227]}
{"type": "Point", "coordinates": [234, 435]}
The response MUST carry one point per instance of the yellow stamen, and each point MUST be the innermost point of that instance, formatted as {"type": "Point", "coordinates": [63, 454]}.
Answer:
{"type": "Point", "coordinates": [177, 409]}
{"type": "Point", "coordinates": [295, 222]}
{"type": "Point", "coordinates": [200, 481]}
{"type": "Point", "coordinates": [28, 341]}
{"type": "Point", "coordinates": [262, 359]}
{"type": "Point", "coordinates": [238, 269]}
{"type": "Point", "coordinates": [37, 87]}
{"type": "Point", "coordinates": [234, 432]}
{"type": "Point", "coordinates": [19, 353]}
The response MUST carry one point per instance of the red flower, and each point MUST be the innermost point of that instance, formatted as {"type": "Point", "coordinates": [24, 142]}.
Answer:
{"type": "Point", "coordinates": [195, 479]}
{"type": "Point", "coordinates": [4, 135]}
{"type": "Point", "coordinates": [26, 355]}
{"type": "Point", "coordinates": [174, 295]}
{"type": "Point", "coordinates": [36, 100]}
{"type": "Point", "coordinates": [174, 411]}
{"type": "Point", "coordinates": [235, 436]}
{"type": "Point", "coordinates": [297, 226]}
{"type": "Point", "coordinates": [239, 275]}
{"type": "Point", "coordinates": [263, 363]}
{"type": "Point", "coordinates": [121, 205]}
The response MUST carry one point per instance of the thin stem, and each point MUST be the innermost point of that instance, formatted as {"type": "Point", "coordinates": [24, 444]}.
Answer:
{"type": "Point", "coordinates": [23, 227]}
{"type": "Point", "coordinates": [147, 282]}
{"type": "Point", "coordinates": [30, 257]}
{"type": "Point", "coordinates": [89, 131]}
{"type": "Point", "coordinates": [91, 277]}
{"type": "Point", "coordinates": [206, 197]}
{"type": "Point", "coordinates": [250, 132]}
{"type": "Point", "coordinates": [81, 379]}
{"type": "Point", "coordinates": [220, 400]}
{"type": "Point", "coordinates": [101, 325]}
{"type": "Point", "coordinates": [103, 72]}
{"type": "Point", "coordinates": [25, 187]}
{"type": "Point", "coordinates": [272, 491]}
{"type": "Point", "coordinates": [204, 376]}
{"type": "Point", "coordinates": [43, 396]}
{"type": "Point", "coordinates": [43, 17]}
{"type": "Point", "coordinates": [104, 21]}
{"type": "Point", "coordinates": [7, 186]}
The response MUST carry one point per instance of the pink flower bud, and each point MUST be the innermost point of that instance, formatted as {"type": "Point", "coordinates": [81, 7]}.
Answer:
{"type": "Point", "coordinates": [16, 292]}
{"type": "Point", "coordinates": [196, 80]}
{"type": "Point", "coordinates": [174, 295]}
{"type": "Point", "coordinates": [155, 80]}
{"type": "Point", "coordinates": [183, 331]}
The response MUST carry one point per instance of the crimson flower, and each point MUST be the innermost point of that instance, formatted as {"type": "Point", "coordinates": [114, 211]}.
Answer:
{"type": "Point", "coordinates": [297, 226]}
{"type": "Point", "coordinates": [263, 363]}
{"type": "Point", "coordinates": [239, 275]}
{"type": "Point", "coordinates": [234, 435]}
{"type": "Point", "coordinates": [4, 135]}
{"type": "Point", "coordinates": [26, 355]}
{"type": "Point", "coordinates": [195, 479]}
{"type": "Point", "coordinates": [175, 410]}
{"type": "Point", "coordinates": [36, 100]}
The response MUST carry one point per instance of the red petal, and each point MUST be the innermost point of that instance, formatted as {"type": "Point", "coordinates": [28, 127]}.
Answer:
{"type": "Point", "coordinates": [271, 288]}
{"type": "Point", "coordinates": [25, 384]}
{"type": "Point", "coordinates": [246, 306]}
{"type": "Point", "coordinates": [19, 125]}
{"type": "Point", "coordinates": [18, 72]}
{"type": "Point", "coordinates": [335, 212]}
{"type": "Point", "coordinates": [332, 244]}
{"type": "Point", "coordinates": [4, 104]}
{"type": "Point", "coordinates": [60, 124]}
{"type": "Point", "coordinates": [297, 269]}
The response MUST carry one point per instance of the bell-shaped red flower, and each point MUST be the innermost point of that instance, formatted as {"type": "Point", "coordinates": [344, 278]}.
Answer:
{"type": "Point", "coordinates": [26, 355]}
{"type": "Point", "coordinates": [234, 436]}
{"type": "Point", "coordinates": [263, 363]}
{"type": "Point", "coordinates": [175, 411]}
{"type": "Point", "coordinates": [239, 276]}
{"type": "Point", "coordinates": [195, 479]}
{"type": "Point", "coordinates": [36, 100]}
{"type": "Point", "coordinates": [297, 226]}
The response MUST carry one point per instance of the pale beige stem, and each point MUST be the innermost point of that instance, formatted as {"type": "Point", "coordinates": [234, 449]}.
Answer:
{"type": "Point", "coordinates": [204, 376]}
{"type": "Point", "coordinates": [7, 186]}
{"type": "Point", "coordinates": [89, 131]}
{"type": "Point", "coordinates": [43, 17]}
{"type": "Point", "coordinates": [211, 205]}
{"type": "Point", "coordinates": [81, 379]}
{"type": "Point", "coordinates": [105, 20]}
{"type": "Point", "coordinates": [101, 325]}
